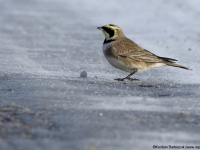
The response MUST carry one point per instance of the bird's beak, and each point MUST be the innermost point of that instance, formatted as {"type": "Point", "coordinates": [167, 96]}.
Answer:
{"type": "Point", "coordinates": [100, 28]}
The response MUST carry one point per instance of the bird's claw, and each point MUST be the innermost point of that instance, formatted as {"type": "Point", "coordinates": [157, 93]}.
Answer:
{"type": "Point", "coordinates": [123, 79]}
{"type": "Point", "coordinates": [119, 79]}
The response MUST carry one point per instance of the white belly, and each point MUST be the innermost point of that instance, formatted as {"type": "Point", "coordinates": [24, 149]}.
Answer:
{"type": "Point", "coordinates": [117, 63]}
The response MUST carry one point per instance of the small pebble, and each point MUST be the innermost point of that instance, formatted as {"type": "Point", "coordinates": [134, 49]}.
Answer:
{"type": "Point", "coordinates": [144, 98]}
{"type": "Point", "coordinates": [83, 74]}
{"type": "Point", "coordinates": [26, 110]}
{"type": "Point", "coordinates": [123, 101]}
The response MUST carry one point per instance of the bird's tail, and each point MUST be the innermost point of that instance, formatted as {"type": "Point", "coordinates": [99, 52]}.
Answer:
{"type": "Point", "coordinates": [171, 62]}
{"type": "Point", "coordinates": [176, 65]}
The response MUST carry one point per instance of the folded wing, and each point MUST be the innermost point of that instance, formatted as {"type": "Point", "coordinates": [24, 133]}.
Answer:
{"type": "Point", "coordinates": [127, 48]}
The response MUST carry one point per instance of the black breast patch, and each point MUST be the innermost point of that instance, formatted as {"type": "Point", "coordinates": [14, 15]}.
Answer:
{"type": "Point", "coordinates": [107, 41]}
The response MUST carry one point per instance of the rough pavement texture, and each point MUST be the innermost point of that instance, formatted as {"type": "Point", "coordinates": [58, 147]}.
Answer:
{"type": "Point", "coordinates": [45, 104]}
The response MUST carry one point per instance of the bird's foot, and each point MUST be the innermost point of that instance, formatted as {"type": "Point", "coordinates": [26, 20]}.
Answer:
{"type": "Point", "coordinates": [131, 79]}
{"type": "Point", "coordinates": [120, 79]}
{"type": "Point", "coordinates": [123, 79]}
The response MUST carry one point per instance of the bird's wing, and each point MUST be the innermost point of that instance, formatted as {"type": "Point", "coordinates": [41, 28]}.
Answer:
{"type": "Point", "coordinates": [127, 48]}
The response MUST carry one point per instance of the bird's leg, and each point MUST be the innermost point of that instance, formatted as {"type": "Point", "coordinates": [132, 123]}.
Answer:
{"type": "Point", "coordinates": [128, 77]}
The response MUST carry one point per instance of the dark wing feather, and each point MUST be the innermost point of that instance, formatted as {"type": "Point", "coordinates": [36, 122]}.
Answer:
{"type": "Point", "coordinates": [168, 59]}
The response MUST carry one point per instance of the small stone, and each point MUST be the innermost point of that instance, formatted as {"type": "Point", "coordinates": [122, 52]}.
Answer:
{"type": "Point", "coordinates": [144, 98]}
{"type": "Point", "coordinates": [83, 74]}
{"type": "Point", "coordinates": [123, 102]}
{"type": "Point", "coordinates": [26, 110]}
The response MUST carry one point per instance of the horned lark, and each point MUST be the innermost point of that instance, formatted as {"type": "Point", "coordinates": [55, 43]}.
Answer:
{"type": "Point", "coordinates": [124, 54]}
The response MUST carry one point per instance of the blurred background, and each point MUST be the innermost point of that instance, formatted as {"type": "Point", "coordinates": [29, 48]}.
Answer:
{"type": "Point", "coordinates": [64, 31]}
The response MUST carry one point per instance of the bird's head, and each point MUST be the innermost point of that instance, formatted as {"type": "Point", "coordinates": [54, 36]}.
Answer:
{"type": "Point", "coordinates": [111, 31]}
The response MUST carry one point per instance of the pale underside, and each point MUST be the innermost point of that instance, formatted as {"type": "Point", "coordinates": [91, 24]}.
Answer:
{"type": "Point", "coordinates": [120, 64]}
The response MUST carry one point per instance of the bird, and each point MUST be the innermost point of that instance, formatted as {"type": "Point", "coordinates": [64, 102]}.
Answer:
{"type": "Point", "coordinates": [124, 54]}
